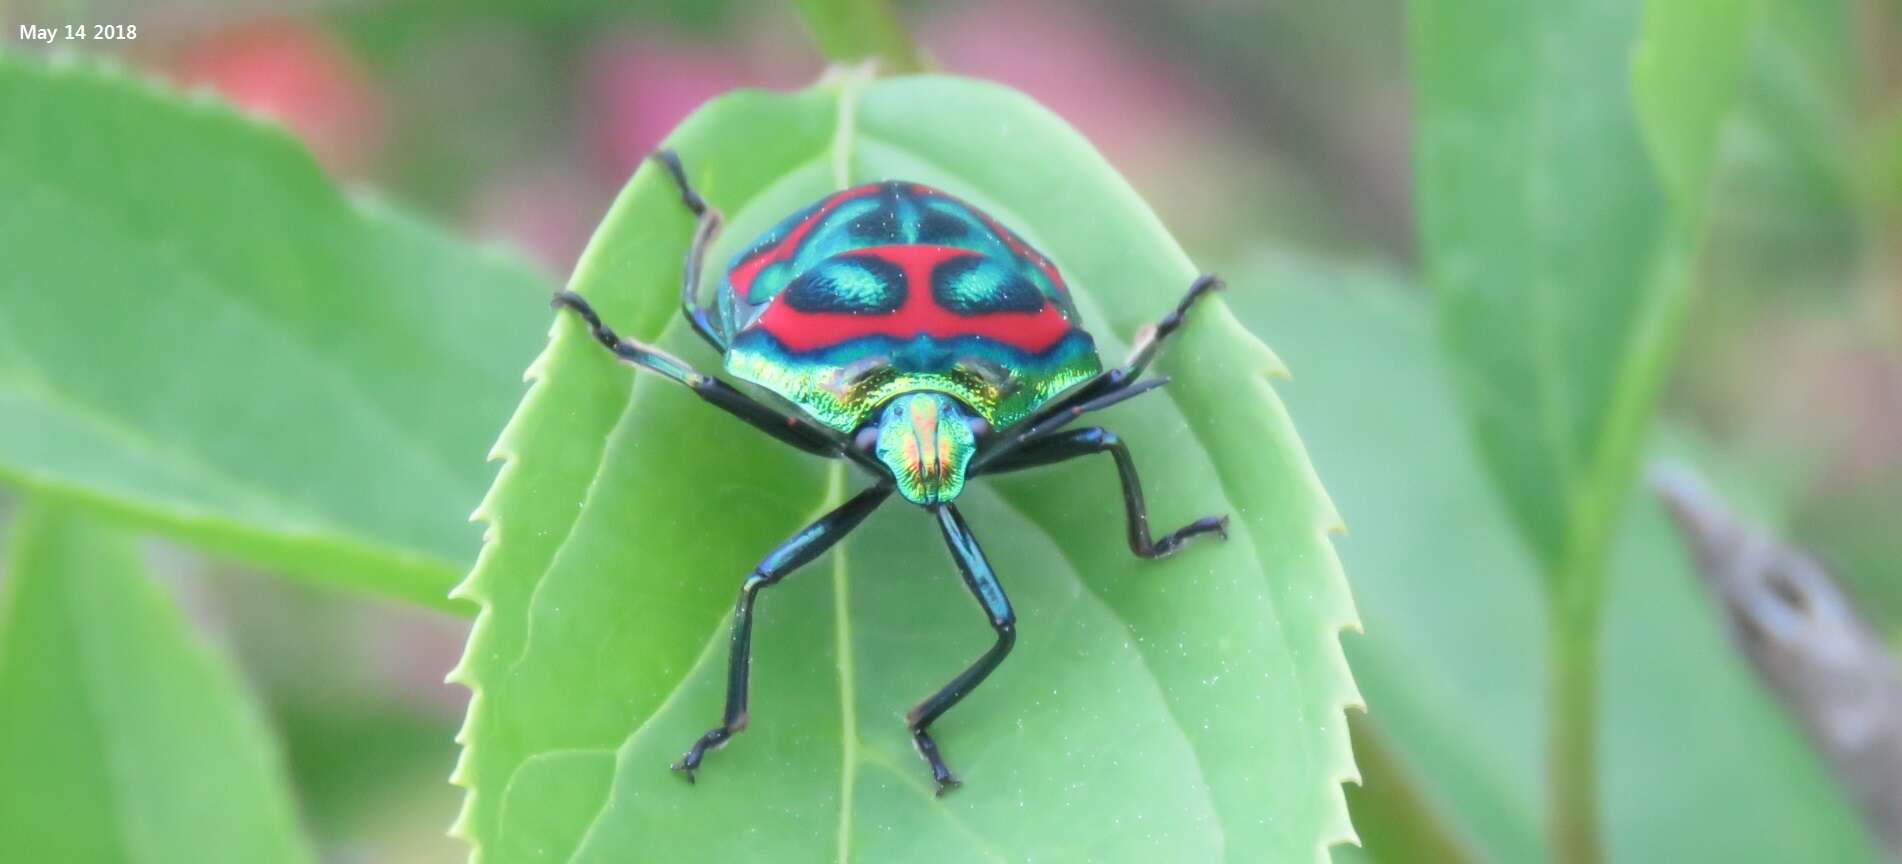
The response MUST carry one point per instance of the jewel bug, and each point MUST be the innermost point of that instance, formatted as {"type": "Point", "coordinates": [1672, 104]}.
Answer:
{"type": "Point", "coordinates": [913, 335]}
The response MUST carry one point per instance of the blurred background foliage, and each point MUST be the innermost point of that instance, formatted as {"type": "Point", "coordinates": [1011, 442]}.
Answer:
{"type": "Point", "coordinates": [1274, 139]}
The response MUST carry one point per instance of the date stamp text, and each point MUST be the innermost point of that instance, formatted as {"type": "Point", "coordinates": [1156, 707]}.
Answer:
{"type": "Point", "coordinates": [49, 34]}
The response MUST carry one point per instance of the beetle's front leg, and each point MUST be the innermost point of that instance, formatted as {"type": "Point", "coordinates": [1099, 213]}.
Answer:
{"type": "Point", "coordinates": [983, 584]}
{"type": "Point", "coordinates": [791, 555]}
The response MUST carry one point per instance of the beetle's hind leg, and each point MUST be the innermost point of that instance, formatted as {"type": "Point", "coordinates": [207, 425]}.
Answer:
{"type": "Point", "coordinates": [704, 231]}
{"type": "Point", "coordinates": [791, 555]}
{"type": "Point", "coordinates": [983, 584]}
{"type": "Point", "coordinates": [1064, 446]}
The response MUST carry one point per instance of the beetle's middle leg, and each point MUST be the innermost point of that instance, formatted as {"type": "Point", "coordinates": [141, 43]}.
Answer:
{"type": "Point", "coordinates": [1113, 385]}
{"type": "Point", "coordinates": [1148, 342]}
{"type": "Point", "coordinates": [1063, 446]}
{"type": "Point", "coordinates": [808, 544]}
{"type": "Point", "coordinates": [704, 231]}
{"type": "Point", "coordinates": [1149, 339]}
{"type": "Point", "coordinates": [983, 583]}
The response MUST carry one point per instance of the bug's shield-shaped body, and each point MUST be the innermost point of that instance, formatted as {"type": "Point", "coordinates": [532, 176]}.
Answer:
{"type": "Point", "coordinates": [896, 288]}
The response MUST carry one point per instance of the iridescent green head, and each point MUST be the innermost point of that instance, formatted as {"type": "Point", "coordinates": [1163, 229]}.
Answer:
{"type": "Point", "coordinates": [926, 440]}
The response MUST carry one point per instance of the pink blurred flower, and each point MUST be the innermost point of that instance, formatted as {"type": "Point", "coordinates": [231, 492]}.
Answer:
{"type": "Point", "coordinates": [298, 75]}
{"type": "Point", "coordinates": [1134, 106]}
{"type": "Point", "coordinates": [547, 213]}
{"type": "Point", "coordinates": [638, 86]}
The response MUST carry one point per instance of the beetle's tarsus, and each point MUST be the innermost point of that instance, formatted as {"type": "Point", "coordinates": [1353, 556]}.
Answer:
{"type": "Point", "coordinates": [713, 740]}
{"type": "Point", "coordinates": [1173, 543]}
{"type": "Point", "coordinates": [941, 775]}
{"type": "Point", "coordinates": [671, 161]}
{"type": "Point", "coordinates": [580, 306]}
{"type": "Point", "coordinates": [565, 299]}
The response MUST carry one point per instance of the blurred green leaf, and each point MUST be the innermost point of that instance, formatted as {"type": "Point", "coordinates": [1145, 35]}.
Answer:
{"type": "Point", "coordinates": [123, 738]}
{"type": "Point", "coordinates": [1699, 763]}
{"type": "Point", "coordinates": [1450, 662]}
{"type": "Point", "coordinates": [851, 31]}
{"type": "Point", "coordinates": [1398, 816]}
{"type": "Point", "coordinates": [1853, 530]}
{"type": "Point", "coordinates": [1561, 205]}
{"type": "Point", "coordinates": [1179, 710]}
{"type": "Point", "coordinates": [1683, 77]}
{"type": "Point", "coordinates": [1785, 219]}
{"type": "Point", "coordinates": [199, 333]}
{"type": "Point", "coordinates": [370, 778]}
{"type": "Point", "coordinates": [1559, 260]}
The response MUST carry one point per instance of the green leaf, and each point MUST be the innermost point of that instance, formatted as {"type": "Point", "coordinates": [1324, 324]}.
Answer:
{"type": "Point", "coordinates": [1180, 710]}
{"type": "Point", "coordinates": [199, 333]}
{"type": "Point", "coordinates": [1559, 252]}
{"type": "Point", "coordinates": [851, 31]}
{"type": "Point", "coordinates": [123, 738]}
{"type": "Point", "coordinates": [1699, 763]}
{"type": "Point", "coordinates": [1684, 75]}
{"type": "Point", "coordinates": [1854, 527]}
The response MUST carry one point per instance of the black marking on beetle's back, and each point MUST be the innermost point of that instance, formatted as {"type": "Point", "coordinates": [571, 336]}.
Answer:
{"type": "Point", "coordinates": [874, 227]}
{"type": "Point", "coordinates": [859, 285]}
{"type": "Point", "coordinates": [938, 227]}
{"type": "Point", "coordinates": [976, 285]}
{"type": "Point", "coordinates": [883, 223]}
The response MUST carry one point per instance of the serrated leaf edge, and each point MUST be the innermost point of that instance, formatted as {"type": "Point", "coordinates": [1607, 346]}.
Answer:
{"type": "Point", "coordinates": [1267, 366]}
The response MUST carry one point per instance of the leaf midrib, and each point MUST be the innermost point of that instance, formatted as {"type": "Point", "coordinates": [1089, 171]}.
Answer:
{"type": "Point", "coordinates": [841, 152]}
{"type": "Point", "coordinates": [840, 163]}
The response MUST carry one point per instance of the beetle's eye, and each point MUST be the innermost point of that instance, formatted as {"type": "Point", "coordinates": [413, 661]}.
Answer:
{"type": "Point", "coordinates": [867, 438]}
{"type": "Point", "coordinates": [978, 426]}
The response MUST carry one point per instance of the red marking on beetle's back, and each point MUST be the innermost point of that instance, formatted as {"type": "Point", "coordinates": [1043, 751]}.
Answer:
{"type": "Point", "coordinates": [742, 275]}
{"type": "Point", "coordinates": [1033, 332]}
